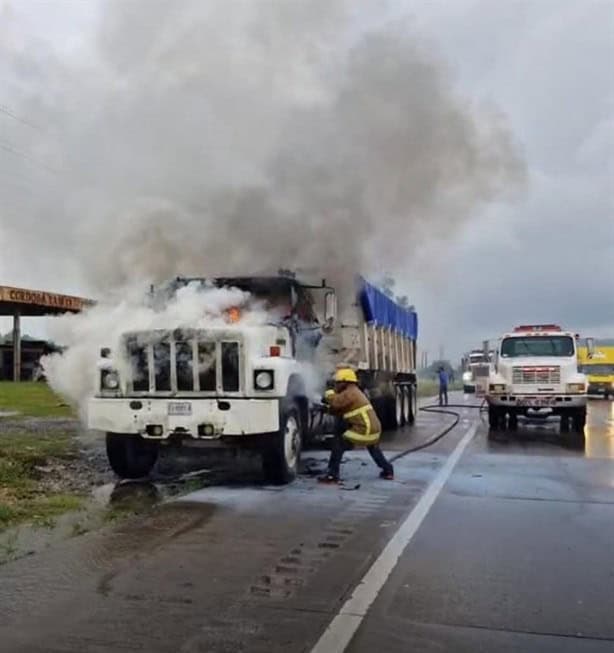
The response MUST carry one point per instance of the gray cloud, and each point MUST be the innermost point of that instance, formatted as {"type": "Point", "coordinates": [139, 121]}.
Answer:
{"type": "Point", "coordinates": [548, 257]}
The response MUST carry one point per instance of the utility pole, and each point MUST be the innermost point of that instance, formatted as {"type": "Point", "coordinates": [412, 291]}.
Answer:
{"type": "Point", "coordinates": [17, 346]}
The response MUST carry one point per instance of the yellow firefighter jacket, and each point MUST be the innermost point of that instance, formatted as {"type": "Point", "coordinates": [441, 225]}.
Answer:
{"type": "Point", "coordinates": [363, 424]}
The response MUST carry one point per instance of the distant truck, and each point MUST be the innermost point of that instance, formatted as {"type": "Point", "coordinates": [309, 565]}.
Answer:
{"type": "Point", "coordinates": [596, 360]}
{"type": "Point", "coordinates": [251, 386]}
{"type": "Point", "coordinates": [476, 370]}
{"type": "Point", "coordinates": [536, 372]}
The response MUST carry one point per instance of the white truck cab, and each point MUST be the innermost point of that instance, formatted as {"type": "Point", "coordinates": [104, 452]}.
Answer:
{"type": "Point", "coordinates": [535, 373]}
{"type": "Point", "coordinates": [229, 384]}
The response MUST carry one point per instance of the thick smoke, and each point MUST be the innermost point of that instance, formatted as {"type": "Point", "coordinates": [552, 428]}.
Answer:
{"type": "Point", "coordinates": [226, 138]}
{"type": "Point", "coordinates": [216, 138]}
{"type": "Point", "coordinates": [74, 374]}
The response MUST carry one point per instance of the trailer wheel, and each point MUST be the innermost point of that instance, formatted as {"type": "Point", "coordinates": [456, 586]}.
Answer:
{"type": "Point", "coordinates": [412, 403]}
{"type": "Point", "coordinates": [406, 403]}
{"type": "Point", "coordinates": [131, 456]}
{"type": "Point", "coordinates": [280, 459]}
{"type": "Point", "coordinates": [399, 406]}
{"type": "Point", "coordinates": [385, 409]}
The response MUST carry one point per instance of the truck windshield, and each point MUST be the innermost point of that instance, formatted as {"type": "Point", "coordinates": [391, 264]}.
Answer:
{"type": "Point", "coordinates": [598, 370]}
{"type": "Point", "coordinates": [537, 346]}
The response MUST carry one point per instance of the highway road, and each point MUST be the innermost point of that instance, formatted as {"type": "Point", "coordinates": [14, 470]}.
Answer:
{"type": "Point", "coordinates": [478, 545]}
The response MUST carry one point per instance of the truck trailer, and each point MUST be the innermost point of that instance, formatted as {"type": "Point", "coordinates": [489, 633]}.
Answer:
{"type": "Point", "coordinates": [242, 384]}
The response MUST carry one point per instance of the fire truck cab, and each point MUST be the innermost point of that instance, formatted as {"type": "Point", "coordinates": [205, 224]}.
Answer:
{"type": "Point", "coordinates": [535, 372]}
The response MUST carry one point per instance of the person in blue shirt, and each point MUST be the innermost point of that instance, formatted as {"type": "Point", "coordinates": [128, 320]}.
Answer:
{"type": "Point", "coordinates": [444, 379]}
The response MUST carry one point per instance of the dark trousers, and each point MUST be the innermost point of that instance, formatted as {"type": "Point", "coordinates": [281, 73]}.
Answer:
{"type": "Point", "coordinates": [443, 395]}
{"type": "Point", "coordinates": [340, 445]}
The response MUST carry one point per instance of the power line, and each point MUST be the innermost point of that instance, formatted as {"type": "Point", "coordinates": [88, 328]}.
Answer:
{"type": "Point", "coordinates": [7, 112]}
{"type": "Point", "coordinates": [7, 147]}
{"type": "Point", "coordinates": [15, 173]}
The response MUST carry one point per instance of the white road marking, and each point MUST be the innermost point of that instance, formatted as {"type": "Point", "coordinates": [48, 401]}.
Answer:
{"type": "Point", "coordinates": [342, 628]}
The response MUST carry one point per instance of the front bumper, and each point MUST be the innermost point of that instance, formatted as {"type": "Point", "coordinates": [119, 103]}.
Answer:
{"type": "Point", "coordinates": [242, 417]}
{"type": "Point", "coordinates": [537, 401]}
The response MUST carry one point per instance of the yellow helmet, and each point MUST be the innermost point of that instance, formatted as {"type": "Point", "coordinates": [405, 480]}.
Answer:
{"type": "Point", "coordinates": [346, 375]}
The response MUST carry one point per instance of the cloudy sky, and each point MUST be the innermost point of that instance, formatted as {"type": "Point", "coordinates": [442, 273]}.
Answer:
{"type": "Point", "coordinates": [524, 232]}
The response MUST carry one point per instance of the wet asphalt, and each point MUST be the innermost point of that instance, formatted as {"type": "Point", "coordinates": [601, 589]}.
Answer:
{"type": "Point", "coordinates": [515, 554]}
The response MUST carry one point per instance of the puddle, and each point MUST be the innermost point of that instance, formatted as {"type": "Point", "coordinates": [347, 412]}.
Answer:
{"type": "Point", "coordinates": [108, 504]}
{"type": "Point", "coordinates": [28, 539]}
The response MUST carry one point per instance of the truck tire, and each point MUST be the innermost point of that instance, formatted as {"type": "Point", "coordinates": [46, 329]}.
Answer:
{"type": "Point", "coordinates": [575, 440]}
{"type": "Point", "coordinates": [412, 403]}
{"type": "Point", "coordinates": [406, 403]}
{"type": "Point", "coordinates": [399, 406]}
{"type": "Point", "coordinates": [385, 408]}
{"type": "Point", "coordinates": [494, 417]}
{"type": "Point", "coordinates": [281, 456]}
{"type": "Point", "coordinates": [131, 456]}
{"type": "Point", "coordinates": [512, 422]}
{"type": "Point", "coordinates": [579, 421]}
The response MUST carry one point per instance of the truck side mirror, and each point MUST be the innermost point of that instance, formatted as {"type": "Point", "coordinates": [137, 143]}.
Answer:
{"type": "Point", "coordinates": [330, 310]}
{"type": "Point", "coordinates": [590, 346]}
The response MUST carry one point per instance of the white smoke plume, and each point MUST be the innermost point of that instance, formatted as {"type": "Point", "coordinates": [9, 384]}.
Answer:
{"type": "Point", "coordinates": [238, 137]}
{"type": "Point", "coordinates": [74, 373]}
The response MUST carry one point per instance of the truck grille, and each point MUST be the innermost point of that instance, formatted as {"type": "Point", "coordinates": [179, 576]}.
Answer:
{"type": "Point", "coordinates": [166, 364]}
{"type": "Point", "coordinates": [480, 371]}
{"type": "Point", "coordinates": [536, 375]}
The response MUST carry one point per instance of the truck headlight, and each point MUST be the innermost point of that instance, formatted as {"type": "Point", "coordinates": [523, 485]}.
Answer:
{"type": "Point", "coordinates": [110, 380]}
{"type": "Point", "coordinates": [496, 387]}
{"type": "Point", "coordinates": [467, 377]}
{"type": "Point", "coordinates": [576, 387]}
{"type": "Point", "coordinates": [264, 379]}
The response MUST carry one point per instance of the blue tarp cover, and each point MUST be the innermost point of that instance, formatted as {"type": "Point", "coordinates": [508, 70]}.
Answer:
{"type": "Point", "coordinates": [382, 310]}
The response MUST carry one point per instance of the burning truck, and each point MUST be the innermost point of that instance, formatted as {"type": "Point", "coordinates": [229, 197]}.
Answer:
{"type": "Point", "coordinates": [254, 379]}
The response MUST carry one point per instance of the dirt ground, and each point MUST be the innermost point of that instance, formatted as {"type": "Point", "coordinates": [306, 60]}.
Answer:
{"type": "Point", "coordinates": [85, 467]}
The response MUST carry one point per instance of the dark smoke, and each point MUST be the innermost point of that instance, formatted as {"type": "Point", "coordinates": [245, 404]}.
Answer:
{"type": "Point", "coordinates": [236, 137]}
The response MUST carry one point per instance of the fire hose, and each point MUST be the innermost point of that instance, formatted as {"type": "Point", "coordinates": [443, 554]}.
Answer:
{"type": "Point", "coordinates": [442, 410]}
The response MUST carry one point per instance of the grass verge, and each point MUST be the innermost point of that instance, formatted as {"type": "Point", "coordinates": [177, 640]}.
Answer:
{"type": "Point", "coordinates": [32, 399]}
{"type": "Point", "coordinates": [24, 494]}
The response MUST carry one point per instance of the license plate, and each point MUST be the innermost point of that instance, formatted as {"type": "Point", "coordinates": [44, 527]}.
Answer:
{"type": "Point", "coordinates": [536, 402]}
{"type": "Point", "coordinates": [179, 408]}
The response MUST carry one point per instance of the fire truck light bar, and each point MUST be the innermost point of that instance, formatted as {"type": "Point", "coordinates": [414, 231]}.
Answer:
{"type": "Point", "coordinates": [537, 327]}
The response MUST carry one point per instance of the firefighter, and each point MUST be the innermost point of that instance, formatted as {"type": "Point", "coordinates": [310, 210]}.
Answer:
{"type": "Point", "coordinates": [357, 425]}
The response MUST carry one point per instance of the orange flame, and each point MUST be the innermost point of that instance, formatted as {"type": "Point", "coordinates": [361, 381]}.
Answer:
{"type": "Point", "coordinates": [233, 314]}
